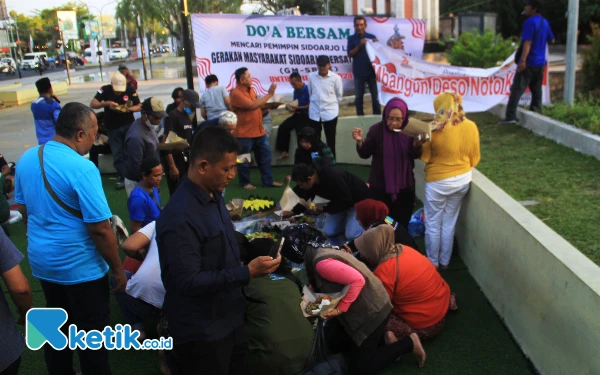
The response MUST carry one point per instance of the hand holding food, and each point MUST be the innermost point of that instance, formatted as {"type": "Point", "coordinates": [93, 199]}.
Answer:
{"type": "Point", "coordinates": [314, 308]}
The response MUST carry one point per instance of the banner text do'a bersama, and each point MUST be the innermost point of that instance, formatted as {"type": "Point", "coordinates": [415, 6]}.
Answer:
{"type": "Point", "coordinates": [272, 47]}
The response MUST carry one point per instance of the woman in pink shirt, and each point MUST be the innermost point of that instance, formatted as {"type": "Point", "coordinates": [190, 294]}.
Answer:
{"type": "Point", "coordinates": [363, 312]}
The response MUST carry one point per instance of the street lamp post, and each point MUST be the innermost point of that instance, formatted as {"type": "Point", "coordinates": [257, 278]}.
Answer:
{"type": "Point", "coordinates": [14, 53]}
{"type": "Point", "coordinates": [139, 25]}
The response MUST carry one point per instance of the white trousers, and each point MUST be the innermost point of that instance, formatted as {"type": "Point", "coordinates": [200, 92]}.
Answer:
{"type": "Point", "coordinates": [129, 186]}
{"type": "Point", "coordinates": [442, 207]}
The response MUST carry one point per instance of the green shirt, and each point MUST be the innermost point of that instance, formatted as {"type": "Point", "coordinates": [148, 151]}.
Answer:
{"type": "Point", "coordinates": [280, 337]}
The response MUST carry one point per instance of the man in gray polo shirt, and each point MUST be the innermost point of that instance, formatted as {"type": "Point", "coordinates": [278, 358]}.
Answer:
{"type": "Point", "coordinates": [141, 141]}
{"type": "Point", "coordinates": [214, 101]}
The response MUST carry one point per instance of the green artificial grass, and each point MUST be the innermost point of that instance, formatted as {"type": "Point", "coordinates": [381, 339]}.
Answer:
{"type": "Point", "coordinates": [564, 182]}
{"type": "Point", "coordinates": [474, 340]}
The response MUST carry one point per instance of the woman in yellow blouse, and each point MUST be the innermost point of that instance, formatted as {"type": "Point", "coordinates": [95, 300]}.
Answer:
{"type": "Point", "coordinates": [449, 157]}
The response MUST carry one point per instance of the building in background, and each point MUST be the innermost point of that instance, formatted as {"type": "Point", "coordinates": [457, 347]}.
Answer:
{"type": "Point", "coordinates": [428, 10]}
{"type": "Point", "coordinates": [3, 12]}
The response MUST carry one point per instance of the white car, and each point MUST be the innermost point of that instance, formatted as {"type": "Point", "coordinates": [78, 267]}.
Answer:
{"type": "Point", "coordinates": [118, 54]}
{"type": "Point", "coordinates": [4, 62]}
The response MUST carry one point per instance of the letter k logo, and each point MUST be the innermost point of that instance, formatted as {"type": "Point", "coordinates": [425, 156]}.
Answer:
{"type": "Point", "coordinates": [43, 326]}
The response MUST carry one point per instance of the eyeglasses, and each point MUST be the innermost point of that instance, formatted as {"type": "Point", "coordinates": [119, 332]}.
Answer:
{"type": "Point", "coordinates": [395, 119]}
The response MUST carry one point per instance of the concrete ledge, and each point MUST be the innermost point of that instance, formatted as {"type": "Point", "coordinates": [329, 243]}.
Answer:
{"type": "Point", "coordinates": [20, 96]}
{"type": "Point", "coordinates": [10, 86]}
{"type": "Point", "coordinates": [578, 139]}
{"type": "Point", "coordinates": [545, 290]}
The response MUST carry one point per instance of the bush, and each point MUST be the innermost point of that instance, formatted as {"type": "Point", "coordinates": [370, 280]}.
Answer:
{"type": "Point", "coordinates": [591, 60]}
{"type": "Point", "coordinates": [480, 50]}
{"type": "Point", "coordinates": [584, 114]}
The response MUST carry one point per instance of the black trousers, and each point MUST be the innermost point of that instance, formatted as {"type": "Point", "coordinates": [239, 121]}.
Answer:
{"type": "Point", "coordinates": [88, 307]}
{"type": "Point", "coordinates": [373, 355]}
{"type": "Point", "coordinates": [401, 209]}
{"type": "Point", "coordinates": [228, 356]}
{"type": "Point", "coordinates": [330, 129]}
{"type": "Point", "coordinates": [181, 165]}
{"type": "Point", "coordinates": [296, 122]}
{"type": "Point", "coordinates": [13, 368]}
{"type": "Point", "coordinates": [532, 78]}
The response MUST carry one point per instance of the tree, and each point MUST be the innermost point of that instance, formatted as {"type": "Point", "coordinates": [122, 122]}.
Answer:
{"type": "Point", "coordinates": [313, 7]}
{"type": "Point", "coordinates": [510, 20]}
{"type": "Point", "coordinates": [168, 12]}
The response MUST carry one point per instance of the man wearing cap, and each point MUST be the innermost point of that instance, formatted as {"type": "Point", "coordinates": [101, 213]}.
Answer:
{"type": "Point", "coordinates": [45, 111]}
{"type": "Point", "coordinates": [119, 102]}
{"type": "Point", "coordinates": [325, 90]}
{"type": "Point", "coordinates": [131, 81]}
{"type": "Point", "coordinates": [141, 141]}
{"type": "Point", "coordinates": [179, 122]}
{"type": "Point", "coordinates": [250, 131]}
{"type": "Point", "coordinates": [361, 66]}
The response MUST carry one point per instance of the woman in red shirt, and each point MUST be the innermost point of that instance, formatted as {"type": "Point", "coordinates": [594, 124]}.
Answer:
{"type": "Point", "coordinates": [419, 295]}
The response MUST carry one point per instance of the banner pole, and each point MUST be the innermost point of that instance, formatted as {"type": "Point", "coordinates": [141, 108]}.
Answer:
{"type": "Point", "coordinates": [186, 45]}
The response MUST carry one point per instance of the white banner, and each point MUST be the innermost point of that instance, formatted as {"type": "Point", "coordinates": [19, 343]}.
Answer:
{"type": "Point", "coordinates": [67, 23]}
{"type": "Point", "coordinates": [272, 47]}
{"type": "Point", "coordinates": [419, 82]}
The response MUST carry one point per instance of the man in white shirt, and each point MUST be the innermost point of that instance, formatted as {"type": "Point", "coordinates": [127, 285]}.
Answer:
{"type": "Point", "coordinates": [145, 293]}
{"type": "Point", "coordinates": [325, 90]}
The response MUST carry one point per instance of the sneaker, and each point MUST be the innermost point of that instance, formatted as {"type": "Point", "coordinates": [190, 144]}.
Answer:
{"type": "Point", "coordinates": [507, 122]}
{"type": "Point", "coordinates": [120, 186]}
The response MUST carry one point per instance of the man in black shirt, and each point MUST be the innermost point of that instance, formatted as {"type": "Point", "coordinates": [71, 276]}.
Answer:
{"type": "Point", "coordinates": [341, 188]}
{"type": "Point", "coordinates": [119, 102]}
{"type": "Point", "coordinates": [179, 122]}
{"type": "Point", "coordinates": [201, 266]}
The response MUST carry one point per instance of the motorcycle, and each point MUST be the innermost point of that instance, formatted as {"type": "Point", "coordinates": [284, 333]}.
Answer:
{"type": "Point", "coordinates": [9, 70]}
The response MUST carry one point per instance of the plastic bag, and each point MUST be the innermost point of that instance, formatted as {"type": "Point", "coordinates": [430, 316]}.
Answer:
{"type": "Point", "coordinates": [416, 226]}
{"type": "Point", "coordinates": [297, 237]}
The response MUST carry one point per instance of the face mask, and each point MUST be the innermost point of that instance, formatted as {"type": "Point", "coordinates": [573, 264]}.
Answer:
{"type": "Point", "coordinates": [149, 124]}
{"type": "Point", "coordinates": [188, 110]}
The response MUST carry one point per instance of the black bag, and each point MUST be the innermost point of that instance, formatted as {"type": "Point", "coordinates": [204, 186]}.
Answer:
{"type": "Point", "coordinates": [318, 362]}
{"type": "Point", "coordinates": [297, 237]}
{"type": "Point", "coordinates": [519, 52]}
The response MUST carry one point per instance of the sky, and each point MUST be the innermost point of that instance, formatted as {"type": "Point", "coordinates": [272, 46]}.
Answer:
{"type": "Point", "coordinates": [27, 7]}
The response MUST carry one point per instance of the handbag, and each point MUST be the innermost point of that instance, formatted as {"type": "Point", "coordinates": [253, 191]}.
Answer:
{"type": "Point", "coordinates": [519, 52]}
{"type": "Point", "coordinates": [55, 197]}
{"type": "Point", "coordinates": [318, 362]}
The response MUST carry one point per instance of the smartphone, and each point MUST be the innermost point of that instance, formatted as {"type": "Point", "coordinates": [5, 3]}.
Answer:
{"type": "Point", "coordinates": [276, 249]}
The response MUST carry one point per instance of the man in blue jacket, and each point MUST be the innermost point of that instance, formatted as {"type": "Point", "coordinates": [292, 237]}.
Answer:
{"type": "Point", "coordinates": [45, 111]}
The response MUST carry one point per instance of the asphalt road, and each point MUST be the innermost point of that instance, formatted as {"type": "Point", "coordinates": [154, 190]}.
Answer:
{"type": "Point", "coordinates": [24, 74]}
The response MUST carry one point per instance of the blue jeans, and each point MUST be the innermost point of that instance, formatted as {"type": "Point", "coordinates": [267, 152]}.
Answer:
{"type": "Point", "coordinates": [359, 92]}
{"type": "Point", "coordinates": [262, 154]}
{"type": "Point", "coordinates": [116, 140]}
{"type": "Point", "coordinates": [135, 310]}
{"type": "Point", "coordinates": [342, 223]}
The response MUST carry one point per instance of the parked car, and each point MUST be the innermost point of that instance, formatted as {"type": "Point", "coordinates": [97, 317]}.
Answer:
{"type": "Point", "coordinates": [30, 60]}
{"type": "Point", "coordinates": [118, 54]}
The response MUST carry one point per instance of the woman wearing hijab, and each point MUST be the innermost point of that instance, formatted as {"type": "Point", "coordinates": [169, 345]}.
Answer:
{"type": "Point", "coordinates": [391, 177]}
{"type": "Point", "coordinates": [312, 150]}
{"type": "Point", "coordinates": [450, 157]}
{"type": "Point", "coordinates": [371, 214]}
{"type": "Point", "coordinates": [363, 312]}
{"type": "Point", "coordinates": [420, 297]}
